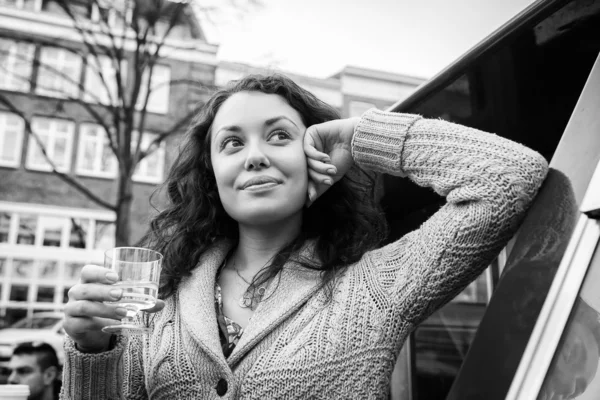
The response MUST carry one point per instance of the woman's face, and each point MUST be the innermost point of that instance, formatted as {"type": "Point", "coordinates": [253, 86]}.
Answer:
{"type": "Point", "coordinates": [258, 158]}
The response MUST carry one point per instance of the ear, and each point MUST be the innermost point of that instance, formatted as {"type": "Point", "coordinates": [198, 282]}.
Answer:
{"type": "Point", "coordinates": [50, 375]}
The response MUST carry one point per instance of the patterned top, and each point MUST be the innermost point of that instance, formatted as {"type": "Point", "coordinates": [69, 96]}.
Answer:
{"type": "Point", "coordinates": [302, 345]}
{"type": "Point", "coordinates": [229, 331]}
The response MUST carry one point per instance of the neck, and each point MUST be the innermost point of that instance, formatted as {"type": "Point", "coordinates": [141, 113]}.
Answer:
{"type": "Point", "coordinates": [258, 244]}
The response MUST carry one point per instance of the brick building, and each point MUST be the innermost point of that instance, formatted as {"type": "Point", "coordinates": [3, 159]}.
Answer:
{"type": "Point", "coordinates": [48, 229]}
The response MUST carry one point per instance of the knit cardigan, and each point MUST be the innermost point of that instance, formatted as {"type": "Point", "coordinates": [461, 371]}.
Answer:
{"type": "Point", "coordinates": [299, 346]}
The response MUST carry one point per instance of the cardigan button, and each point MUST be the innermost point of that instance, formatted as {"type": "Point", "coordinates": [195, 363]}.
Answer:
{"type": "Point", "coordinates": [221, 387]}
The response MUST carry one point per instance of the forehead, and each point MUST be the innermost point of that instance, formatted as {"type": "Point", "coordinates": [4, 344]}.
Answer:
{"type": "Point", "coordinates": [248, 108]}
{"type": "Point", "coordinates": [23, 360]}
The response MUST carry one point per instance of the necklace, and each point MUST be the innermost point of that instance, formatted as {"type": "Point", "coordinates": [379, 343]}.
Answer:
{"type": "Point", "coordinates": [251, 295]}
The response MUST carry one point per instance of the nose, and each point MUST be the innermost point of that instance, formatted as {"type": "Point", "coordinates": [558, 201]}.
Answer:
{"type": "Point", "coordinates": [12, 378]}
{"type": "Point", "coordinates": [256, 158]}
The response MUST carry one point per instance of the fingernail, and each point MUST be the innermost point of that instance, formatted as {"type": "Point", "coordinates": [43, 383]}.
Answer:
{"type": "Point", "coordinates": [327, 182]}
{"type": "Point", "coordinates": [116, 293]}
{"type": "Point", "coordinates": [121, 312]}
{"type": "Point", "coordinates": [112, 276]}
{"type": "Point", "coordinates": [311, 196]}
{"type": "Point", "coordinates": [331, 171]}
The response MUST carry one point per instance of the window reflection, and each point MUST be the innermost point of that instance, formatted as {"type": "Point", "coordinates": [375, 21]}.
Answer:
{"type": "Point", "coordinates": [51, 231]}
{"type": "Point", "coordinates": [573, 372]}
{"type": "Point", "coordinates": [73, 271]}
{"type": "Point", "coordinates": [78, 235]}
{"type": "Point", "coordinates": [27, 228]}
{"type": "Point", "coordinates": [105, 235]}
{"type": "Point", "coordinates": [22, 268]}
{"type": "Point", "coordinates": [48, 269]}
{"type": "Point", "coordinates": [4, 227]}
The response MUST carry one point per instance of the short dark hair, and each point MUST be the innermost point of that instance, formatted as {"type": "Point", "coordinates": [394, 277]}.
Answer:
{"type": "Point", "coordinates": [44, 353]}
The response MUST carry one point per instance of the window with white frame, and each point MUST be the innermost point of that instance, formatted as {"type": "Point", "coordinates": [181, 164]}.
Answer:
{"type": "Point", "coordinates": [357, 108]}
{"type": "Point", "coordinates": [16, 62]}
{"type": "Point", "coordinates": [94, 156]}
{"type": "Point", "coordinates": [158, 101]}
{"type": "Point", "coordinates": [31, 5]}
{"type": "Point", "coordinates": [12, 129]}
{"type": "Point", "coordinates": [101, 80]}
{"type": "Point", "coordinates": [42, 251]}
{"type": "Point", "coordinates": [151, 168]}
{"type": "Point", "coordinates": [58, 73]}
{"type": "Point", "coordinates": [56, 137]}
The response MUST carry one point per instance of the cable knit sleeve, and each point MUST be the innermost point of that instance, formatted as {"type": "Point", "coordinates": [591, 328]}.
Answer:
{"type": "Point", "coordinates": [488, 181]}
{"type": "Point", "coordinates": [111, 375]}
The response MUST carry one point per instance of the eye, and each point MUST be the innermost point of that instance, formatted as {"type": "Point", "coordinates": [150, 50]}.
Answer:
{"type": "Point", "coordinates": [230, 142]}
{"type": "Point", "coordinates": [279, 136]}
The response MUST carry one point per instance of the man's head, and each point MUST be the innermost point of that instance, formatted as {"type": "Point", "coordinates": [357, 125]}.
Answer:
{"type": "Point", "coordinates": [35, 365]}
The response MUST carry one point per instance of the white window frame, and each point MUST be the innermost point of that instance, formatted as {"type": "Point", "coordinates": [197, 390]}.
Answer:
{"type": "Point", "coordinates": [10, 76]}
{"type": "Point", "coordinates": [19, 140]}
{"type": "Point", "coordinates": [20, 4]}
{"type": "Point", "coordinates": [43, 165]}
{"type": "Point", "coordinates": [160, 90]}
{"type": "Point", "coordinates": [100, 140]}
{"type": "Point", "coordinates": [92, 78]}
{"type": "Point", "coordinates": [39, 254]}
{"type": "Point", "coordinates": [49, 82]}
{"type": "Point", "coordinates": [140, 174]}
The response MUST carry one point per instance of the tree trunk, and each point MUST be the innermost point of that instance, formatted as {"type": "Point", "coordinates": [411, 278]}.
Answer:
{"type": "Point", "coordinates": [124, 201]}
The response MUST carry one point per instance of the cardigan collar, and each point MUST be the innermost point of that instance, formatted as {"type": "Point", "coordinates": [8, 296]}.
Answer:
{"type": "Point", "coordinates": [284, 295]}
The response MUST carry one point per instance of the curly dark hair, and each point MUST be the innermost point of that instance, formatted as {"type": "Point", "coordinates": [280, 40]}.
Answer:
{"type": "Point", "coordinates": [344, 222]}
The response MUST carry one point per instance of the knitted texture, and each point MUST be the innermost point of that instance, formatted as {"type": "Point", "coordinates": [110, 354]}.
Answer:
{"type": "Point", "coordinates": [297, 345]}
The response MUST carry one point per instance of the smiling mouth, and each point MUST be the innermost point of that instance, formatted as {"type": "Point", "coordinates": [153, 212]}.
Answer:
{"type": "Point", "coordinates": [260, 186]}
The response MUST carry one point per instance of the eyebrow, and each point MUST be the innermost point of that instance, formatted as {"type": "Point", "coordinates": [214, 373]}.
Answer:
{"type": "Point", "coordinates": [269, 122]}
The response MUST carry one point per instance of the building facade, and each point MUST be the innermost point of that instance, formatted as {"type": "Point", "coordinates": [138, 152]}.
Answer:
{"type": "Point", "coordinates": [48, 228]}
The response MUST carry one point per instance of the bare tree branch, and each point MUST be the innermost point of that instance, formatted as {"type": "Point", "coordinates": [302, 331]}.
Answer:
{"type": "Point", "coordinates": [68, 179]}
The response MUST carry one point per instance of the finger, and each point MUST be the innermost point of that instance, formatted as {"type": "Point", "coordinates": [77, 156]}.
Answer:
{"type": "Point", "coordinates": [321, 167]}
{"type": "Point", "coordinates": [319, 179]}
{"type": "Point", "coordinates": [313, 153]}
{"type": "Point", "coordinates": [94, 309]}
{"type": "Point", "coordinates": [82, 325]}
{"type": "Point", "coordinates": [311, 193]}
{"type": "Point", "coordinates": [313, 144]}
{"type": "Point", "coordinates": [95, 292]}
{"type": "Point", "coordinates": [160, 304]}
{"type": "Point", "coordinates": [97, 274]}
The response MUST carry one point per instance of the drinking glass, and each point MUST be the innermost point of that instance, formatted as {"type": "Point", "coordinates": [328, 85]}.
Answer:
{"type": "Point", "coordinates": [139, 272]}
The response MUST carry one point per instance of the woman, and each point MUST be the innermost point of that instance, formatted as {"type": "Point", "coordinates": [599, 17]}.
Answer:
{"type": "Point", "coordinates": [273, 284]}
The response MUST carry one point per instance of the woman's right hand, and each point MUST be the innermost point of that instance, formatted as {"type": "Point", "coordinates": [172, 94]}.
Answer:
{"type": "Point", "coordinates": [86, 313]}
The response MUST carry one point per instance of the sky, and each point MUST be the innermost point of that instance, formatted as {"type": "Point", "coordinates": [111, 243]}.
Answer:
{"type": "Point", "coordinates": [319, 37]}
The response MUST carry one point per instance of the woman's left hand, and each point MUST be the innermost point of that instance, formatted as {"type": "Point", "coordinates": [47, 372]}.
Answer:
{"type": "Point", "coordinates": [328, 152]}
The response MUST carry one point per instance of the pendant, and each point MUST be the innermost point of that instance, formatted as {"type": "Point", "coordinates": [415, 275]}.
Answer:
{"type": "Point", "coordinates": [246, 300]}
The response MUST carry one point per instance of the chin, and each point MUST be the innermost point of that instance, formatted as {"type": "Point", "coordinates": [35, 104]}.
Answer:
{"type": "Point", "coordinates": [267, 215]}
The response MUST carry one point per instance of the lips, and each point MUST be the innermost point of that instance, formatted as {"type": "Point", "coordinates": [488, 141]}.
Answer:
{"type": "Point", "coordinates": [260, 180]}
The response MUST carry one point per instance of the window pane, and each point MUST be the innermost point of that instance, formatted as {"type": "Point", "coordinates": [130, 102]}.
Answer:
{"type": "Point", "coordinates": [573, 371]}
{"type": "Point", "coordinates": [11, 138]}
{"type": "Point", "coordinates": [4, 226]}
{"type": "Point", "coordinates": [18, 292]}
{"type": "Point", "coordinates": [27, 228]}
{"type": "Point", "coordinates": [79, 230]}
{"type": "Point", "coordinates": [22, 269]}
{"type": "Point", "coordinates": [60, 152]}
{"type": "Point", "coordinates": [2, 267]}
{"type": "Point", "coordinates": [158, 101]}
{"type": "Point", "coordinates": [73, 271]}
{"type": "Point", "coordinates": [48, 269]}
{"type": "Point", "coordinates": [59, 72]}
{"type": "Point", "coordinates": [105, 235]}
{"type": "Point", "coordinates": [51, 231]}
{"type": "Point", "coordinates": [45, 295]}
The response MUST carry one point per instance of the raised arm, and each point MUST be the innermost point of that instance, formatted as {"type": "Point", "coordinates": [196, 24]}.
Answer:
{"type": "Point", "coordinates": [488, 181]}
